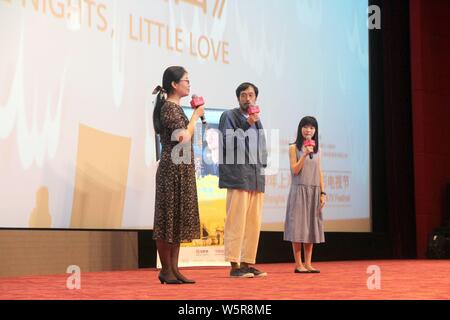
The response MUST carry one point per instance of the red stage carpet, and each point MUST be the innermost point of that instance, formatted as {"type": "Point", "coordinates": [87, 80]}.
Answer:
{"type": "Point", "coordinates": [400, 279]}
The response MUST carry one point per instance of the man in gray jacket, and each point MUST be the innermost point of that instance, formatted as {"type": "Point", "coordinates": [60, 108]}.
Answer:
{"type": "Point", "coordinates": [243, 159]}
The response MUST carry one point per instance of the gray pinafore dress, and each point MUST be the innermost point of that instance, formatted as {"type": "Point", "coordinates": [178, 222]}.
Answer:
{"type": "Point", "coordinates": [304, 221]}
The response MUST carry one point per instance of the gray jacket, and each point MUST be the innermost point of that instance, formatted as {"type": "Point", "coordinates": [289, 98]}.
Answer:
{"type": "Point", "coordinates": [243, 153]}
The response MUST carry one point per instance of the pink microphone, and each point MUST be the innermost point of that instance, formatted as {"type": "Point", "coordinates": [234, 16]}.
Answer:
{"type": "Point", "coordinates": [253, 109]}
{"type": "Point", "coordinates": [309, 143]}
{"type": "Point", "coordinates": [198, 102]}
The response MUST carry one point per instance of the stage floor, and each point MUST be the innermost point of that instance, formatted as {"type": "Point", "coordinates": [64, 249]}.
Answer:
{"type": "Point", "coordinates": [342, 280]}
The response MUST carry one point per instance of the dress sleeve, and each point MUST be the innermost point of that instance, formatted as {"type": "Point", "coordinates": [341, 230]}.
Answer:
{"type": "Point", "coordinates": [173, 117]}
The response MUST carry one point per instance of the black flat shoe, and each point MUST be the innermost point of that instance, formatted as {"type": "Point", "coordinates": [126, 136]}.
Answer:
{"type": "Point", "coordinates": [300, 271]}
{"type": "Point", "coordinates": [313, 271]}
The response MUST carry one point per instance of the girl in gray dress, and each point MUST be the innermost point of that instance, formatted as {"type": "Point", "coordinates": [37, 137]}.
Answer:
{"type": "Point", "coordinates": [304, 223]}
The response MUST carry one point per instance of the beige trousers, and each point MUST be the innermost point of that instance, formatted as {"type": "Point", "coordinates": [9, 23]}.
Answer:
{"type": "Point", "coordinates": [243, 224]}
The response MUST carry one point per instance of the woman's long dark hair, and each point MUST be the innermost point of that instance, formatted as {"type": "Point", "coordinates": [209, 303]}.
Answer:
{"type": "Point", "coordinates": [172, 74]}
{"type": "Point", "coordinates": [304, 122]}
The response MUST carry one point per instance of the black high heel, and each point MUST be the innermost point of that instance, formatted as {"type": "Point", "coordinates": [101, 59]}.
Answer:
{"type": "Point", "coordinates": [163, 280]}
{"type": "Point", "coordinates": [185, 280]}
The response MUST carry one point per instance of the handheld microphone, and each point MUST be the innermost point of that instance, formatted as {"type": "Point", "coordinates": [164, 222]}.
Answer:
{"type": "Point", "coordinates": [198, 102]}
{"type": "Point", "coordinates": [309, 143]}
{"type": "Point", "coordinates": [253, 109]}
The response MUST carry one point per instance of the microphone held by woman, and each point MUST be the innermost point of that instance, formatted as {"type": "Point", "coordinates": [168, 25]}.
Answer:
{"type": "Point", "coordinates": [198, 102]}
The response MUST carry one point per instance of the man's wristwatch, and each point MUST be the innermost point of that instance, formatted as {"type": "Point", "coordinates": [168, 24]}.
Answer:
{"type": "Point", "coordinates": [323, 193]}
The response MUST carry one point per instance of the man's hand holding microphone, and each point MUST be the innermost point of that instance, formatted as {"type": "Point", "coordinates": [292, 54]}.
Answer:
{"type": "Point", "coordinates": [253, 114]}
